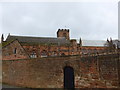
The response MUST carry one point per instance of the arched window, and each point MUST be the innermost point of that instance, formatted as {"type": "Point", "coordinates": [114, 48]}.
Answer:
{"type": "Point", "coordinates": [64, 34]}
{"type": "Point", "coordinates": [54, 53]}
{"type": "Point", "coordinates": [44, 53]}
{"type": "Point", "coordinates": [63, 54]}
{"type": "Point", "coordinates": [33, 55]}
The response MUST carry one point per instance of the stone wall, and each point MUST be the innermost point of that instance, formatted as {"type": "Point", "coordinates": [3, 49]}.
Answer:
{"type": "Point", "coordinates": [35, 50]}
{"type": "Point", "coordinates": [90, 72]}
{"type": "Point", "coordinates": [8, 51]}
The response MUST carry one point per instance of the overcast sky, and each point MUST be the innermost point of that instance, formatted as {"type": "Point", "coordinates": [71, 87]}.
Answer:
{"type": "Point", "coordinates": [88, 20]}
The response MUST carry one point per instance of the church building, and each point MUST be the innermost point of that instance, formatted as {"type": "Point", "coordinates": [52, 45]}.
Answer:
{"type": "Point", "coordinates": [22, 47]}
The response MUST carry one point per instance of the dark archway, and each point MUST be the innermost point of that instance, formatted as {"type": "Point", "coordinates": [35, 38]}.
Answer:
{"type": "Point", "coordinates": [68, 77]}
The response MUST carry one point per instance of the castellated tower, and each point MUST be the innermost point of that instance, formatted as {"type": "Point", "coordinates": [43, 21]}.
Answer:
{"type": "Point", "coordinates": [63, 33]}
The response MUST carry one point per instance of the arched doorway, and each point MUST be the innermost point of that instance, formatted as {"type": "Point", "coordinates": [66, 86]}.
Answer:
{"type": "Point", "coordinates": [68, 77]}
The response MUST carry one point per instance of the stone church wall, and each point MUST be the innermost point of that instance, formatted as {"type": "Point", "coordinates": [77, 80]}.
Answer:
{"type": "Point", "coordinates": [9, 52]}
{"type": "Point", "coordinates": [90, 72]}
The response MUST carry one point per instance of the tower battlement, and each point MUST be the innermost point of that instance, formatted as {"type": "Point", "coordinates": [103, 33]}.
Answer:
{"type": "Point", "coordinates": [63, 30]}
{"type": "Point", "coordinates": [63, 33]}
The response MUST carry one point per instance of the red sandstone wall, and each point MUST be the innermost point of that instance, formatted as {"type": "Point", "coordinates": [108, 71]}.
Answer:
{"type": "Point", "coordinates": [67, 50]}
{"type": "Point", "coordinates": [8, 51]}
{"type": "Point", "coordinates": [48, 72]}
{"type": "Point", "coordinates": [92, 49]}
{"type": "Point", "coordinates": [61, 33]}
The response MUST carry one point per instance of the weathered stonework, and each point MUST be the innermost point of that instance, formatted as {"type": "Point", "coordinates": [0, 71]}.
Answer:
{"type": "Point", "coordinates": [22, 47]}
{"type": "Point", "coordinates": [90, 72]}
{"type": "Point", "coordinates": [8, 51]}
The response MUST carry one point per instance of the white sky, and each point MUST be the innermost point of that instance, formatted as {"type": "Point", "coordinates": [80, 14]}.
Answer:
{"type": "Point", "coordinates": [89, 20]}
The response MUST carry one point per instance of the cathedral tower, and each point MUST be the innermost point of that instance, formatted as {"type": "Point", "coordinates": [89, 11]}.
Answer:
{"type": "Point", "coordinates": [63, 33]}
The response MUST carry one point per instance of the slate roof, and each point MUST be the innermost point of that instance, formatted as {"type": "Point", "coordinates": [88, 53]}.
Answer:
{"type": "Point", "coordinates": [43, 40]}
{"type": "Point", "coordinates": [51, 40]}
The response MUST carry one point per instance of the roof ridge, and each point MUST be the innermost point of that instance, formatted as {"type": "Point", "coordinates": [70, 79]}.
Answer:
{"type": "Point", "coordinates": [33, 39]}
{"type": "Point", "coordinates": [93, 40]}
{"type": "Point", "coordinates": [32, 36]}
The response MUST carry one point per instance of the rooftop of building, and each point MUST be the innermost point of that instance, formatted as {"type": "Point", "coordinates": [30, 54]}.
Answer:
{"type": "Point", "coordinates": [53, 40]}
{"type": "Point", "coordinates": [46, 40]}
{"type": "Point", "coordinates": [98, 43]}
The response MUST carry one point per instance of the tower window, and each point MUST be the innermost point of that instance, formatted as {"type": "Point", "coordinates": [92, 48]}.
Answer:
{"type": "Point", "coordinates": [64, 34]}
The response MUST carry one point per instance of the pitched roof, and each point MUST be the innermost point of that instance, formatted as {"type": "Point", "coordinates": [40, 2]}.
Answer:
{"type": "Point", "coordinates": [43, 40]}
